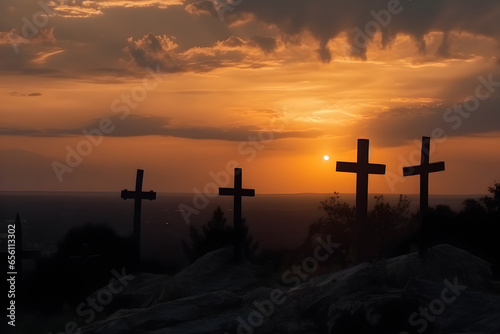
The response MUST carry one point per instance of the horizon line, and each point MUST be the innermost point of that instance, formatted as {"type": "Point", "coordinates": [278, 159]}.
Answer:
{"type": "Point", "coordinates": [191, 193]}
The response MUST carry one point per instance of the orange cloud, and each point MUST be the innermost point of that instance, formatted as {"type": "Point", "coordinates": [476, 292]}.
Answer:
{"type": "Point", "coordinates": [94, 8]}
{"type": "Point", "coordinates": [14, 37]}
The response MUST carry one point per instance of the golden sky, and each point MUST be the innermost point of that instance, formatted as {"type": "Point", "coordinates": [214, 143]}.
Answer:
{"type": "Point", "coordinates": [184, 89]}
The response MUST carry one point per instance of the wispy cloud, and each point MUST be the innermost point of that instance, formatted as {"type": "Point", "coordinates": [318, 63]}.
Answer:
{"type": "Point", "coordinates": [137, 126]}
{"type": "Point", "coordinates": [89, 8]}
{"type": "Point", "coordinates": [24, 94]}
{"type": "Point", "coordinates": [41, 57]}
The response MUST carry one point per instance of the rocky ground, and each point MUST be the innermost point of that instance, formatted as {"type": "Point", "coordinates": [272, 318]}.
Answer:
{"type": "Point", "coordinates": [452, 293]}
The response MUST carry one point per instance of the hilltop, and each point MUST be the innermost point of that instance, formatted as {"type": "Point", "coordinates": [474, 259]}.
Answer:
{"type": "Point", "coordinates": [452, 292]}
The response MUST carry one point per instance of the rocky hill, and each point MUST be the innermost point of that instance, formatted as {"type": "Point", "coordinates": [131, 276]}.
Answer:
{"type": "Point", "coordinates": [453, 292]}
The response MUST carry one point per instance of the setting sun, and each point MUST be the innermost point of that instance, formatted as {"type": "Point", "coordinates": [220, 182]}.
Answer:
{"type": "Point", "coordinates": [326, 157]}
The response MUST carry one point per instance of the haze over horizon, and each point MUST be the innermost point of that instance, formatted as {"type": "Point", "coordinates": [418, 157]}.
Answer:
{"type": "Point", "coordinates": [93, 90]}
{"type": "Point", "coordinates": [263, 194]}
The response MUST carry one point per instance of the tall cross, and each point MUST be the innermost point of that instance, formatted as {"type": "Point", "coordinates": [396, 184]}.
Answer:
{"type": "Point", "coordinates": [138, 195]}
{"type": "Point", "coordinates": [237, 192]}
{"type": "Point", "coordinates": [424, 169]}
{"type": "Point", "coordinates": [362, 168]}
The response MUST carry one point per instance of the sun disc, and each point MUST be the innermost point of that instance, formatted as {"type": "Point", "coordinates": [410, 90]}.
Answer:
{"type": "Point", "coordinates": [326, 157]}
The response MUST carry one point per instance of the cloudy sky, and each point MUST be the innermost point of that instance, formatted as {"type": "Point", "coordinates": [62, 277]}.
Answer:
{"type": "Point", "coordinates": [92, 90]}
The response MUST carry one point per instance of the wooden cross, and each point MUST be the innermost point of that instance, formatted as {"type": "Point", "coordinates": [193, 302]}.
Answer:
{"type": "Point", "coordinates": [424, 169]}
{"type": "Point", "coordinates": [362, 168]}
{"type": "Point", "coordinates": [237, 192]}
{"type": "Point", "coordinates": [138, 195]}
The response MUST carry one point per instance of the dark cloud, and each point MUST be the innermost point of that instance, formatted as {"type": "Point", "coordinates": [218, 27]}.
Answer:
{"type": "Point", "coordinates": [201, 7]}
{"type": "Point", "coordinates": [136, 125]}
{"type": "Point", "coordinates": [444, 48]}
{"type": "Point", "coordinates": [151, 50]}
{"type": "Point", "coordinates": [267, 44]}
{"type": "Point", "coordinates": [326, 19]}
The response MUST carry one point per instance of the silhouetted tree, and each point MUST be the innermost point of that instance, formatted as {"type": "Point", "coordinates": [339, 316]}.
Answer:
{"type": "Point", "coordinates": [479, 226]}
{"type": "Point", "coordinates": [217, 233]}
{"type": "Point", "coordinates": [473, 208]}
{"type": "Point", "coordinates": [83, 263]}
{"type": "Point", "coordinates": [492, 204]}
{"type": "Point", "coordinates": [485, 205]}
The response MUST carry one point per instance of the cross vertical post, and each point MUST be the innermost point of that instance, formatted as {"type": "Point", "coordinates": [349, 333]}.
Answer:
{"type": "Point", "coordinates": [237, 192]}
{"type": "Point", "coordinates": [424, 169]}
{"type": "Point", "coordinates": [362, 168]}
{"type": "Point", "coordinates": [138, 195]}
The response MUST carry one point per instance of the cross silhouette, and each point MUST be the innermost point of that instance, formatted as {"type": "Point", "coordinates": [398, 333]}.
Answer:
{"type": "Point", "coordinates": [237, 192]}
{"type": "Point", "coordinates": [424, 169]}
{"type": "Point", "coordinates": [362, 168]}
{"type": "Point", "coordinates": [138, 195]}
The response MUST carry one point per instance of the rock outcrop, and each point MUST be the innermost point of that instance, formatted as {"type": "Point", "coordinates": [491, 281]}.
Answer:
{"type": "Point", "coordinates": [452, 292]}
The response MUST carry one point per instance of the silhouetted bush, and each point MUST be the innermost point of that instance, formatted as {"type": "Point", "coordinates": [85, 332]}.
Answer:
{"type": "Point", "coordinates": [384, 222]}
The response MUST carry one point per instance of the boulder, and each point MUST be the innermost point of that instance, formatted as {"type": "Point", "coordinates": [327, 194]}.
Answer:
{"type": "Point", "coordinates": [212, 272]}
{"type": "Point", "coordinates": [444, 261]}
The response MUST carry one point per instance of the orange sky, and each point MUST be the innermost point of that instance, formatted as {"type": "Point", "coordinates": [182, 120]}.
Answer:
{"type": "Point", "coordinates": [264, 90]}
